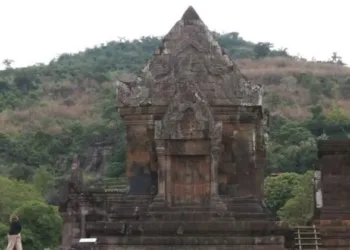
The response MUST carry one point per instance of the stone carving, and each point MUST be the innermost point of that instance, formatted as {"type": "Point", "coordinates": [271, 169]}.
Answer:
{"type": "Point", "coordinates": [185, 120]}
{"type": "Point", "coordinates": [190, 54]}
{"type": "Point", "coordinates": [131, 91]}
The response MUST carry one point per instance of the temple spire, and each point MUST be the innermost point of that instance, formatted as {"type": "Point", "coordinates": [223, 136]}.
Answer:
{"type": "Point", "coordinates": [190, 15]}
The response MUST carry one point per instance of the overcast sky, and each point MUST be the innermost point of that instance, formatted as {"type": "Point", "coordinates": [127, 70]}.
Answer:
{"type": "Point", "coordinates": [34, 31]}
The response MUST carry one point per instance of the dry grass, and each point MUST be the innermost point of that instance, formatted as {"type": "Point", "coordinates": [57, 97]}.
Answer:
{"type": "Point", "coordinates": [292, 112]}
{"type": "Point", "coordinates": [53, 108]}
{"type": "Point", "coordinates": [282, 66]}
{"type": "Point", "coordinates": [344, 105]}
{"type": "Point", "coordinates": [293, 93]}
{"type": "Point", "coordinates": [48, 115]}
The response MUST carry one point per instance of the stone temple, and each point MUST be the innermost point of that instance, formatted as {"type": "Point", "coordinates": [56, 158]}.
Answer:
{"type": "Point", "coordinates": [195, 157]}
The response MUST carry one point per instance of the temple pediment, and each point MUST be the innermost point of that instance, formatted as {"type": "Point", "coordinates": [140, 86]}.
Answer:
{"type": "Point", "coordinates": [190, 54]}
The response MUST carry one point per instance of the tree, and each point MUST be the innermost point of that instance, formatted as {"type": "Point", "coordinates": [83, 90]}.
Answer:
{"type": "Point", "coordinates": [3, 235]}
{"type": "Point", "coordinates": [279, 189]}
{"type": "Point", "coordinates": [279, 52]}
{"type": "Point", "coordinates": [262, 49]}
{"type": "Point", "coordinates": [8, 63]}
{"type": "Point", "coordinates": [42, 225]}
{"type": "Point", "coordinates": [43, 180]}
{"type": "Point", "coordinates": [337, 118]}
{"type": "Point", "coordinates": [336, 59]}
{"type": "Point", "coordinates": [13, 194]}
{"type": "Point", "coordinates": [299, 209]}
{"type": "Point", "coordinates": [292, 158]}
{"type": "Point", "coordinates": [19, 171]}
{"type": "Point", "coordinates": [292, 149]}
{"type": "Point", "coordinates": [291, 134]}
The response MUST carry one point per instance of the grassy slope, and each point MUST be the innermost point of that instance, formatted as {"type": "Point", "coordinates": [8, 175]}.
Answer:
{"type": "Point", "coordinates": [77, 101]}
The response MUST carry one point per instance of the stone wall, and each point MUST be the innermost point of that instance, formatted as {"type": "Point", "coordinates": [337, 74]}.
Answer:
{"type": "Point", "coordinates": [334, 164]}
{"type": "Point", "coordinates": [242, 151]}
{"type": "Point", "coordinates": [241, 160]}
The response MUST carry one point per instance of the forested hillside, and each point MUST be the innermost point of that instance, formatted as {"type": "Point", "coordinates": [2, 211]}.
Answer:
{"type": "Point", "coordinates": [49, 113]}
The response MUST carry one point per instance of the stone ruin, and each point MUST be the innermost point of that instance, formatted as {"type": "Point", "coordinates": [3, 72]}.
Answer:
{"type": "Point", "coordinates": [195, 157]}
{"type": "Point", "coordinates": [332, 202]}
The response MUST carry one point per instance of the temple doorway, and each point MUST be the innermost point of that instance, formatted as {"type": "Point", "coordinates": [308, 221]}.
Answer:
{"type": "Point", "coordinates": [190, 182]}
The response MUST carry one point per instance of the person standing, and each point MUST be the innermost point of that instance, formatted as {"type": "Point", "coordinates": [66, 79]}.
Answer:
{"type": "Point", "coordinates": [14, 236]}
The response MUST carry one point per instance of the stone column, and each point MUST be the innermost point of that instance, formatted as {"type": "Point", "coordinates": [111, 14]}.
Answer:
{"type": "Point", "coordinates": [83, 213]}
{"type": "Point", "coordinates": [168, 181]}
{"type": "Point", "coordinates": [161, 169]}
{"type": "Point", "coordinates": [67, 231]}
{"type": "Point", "coordinates": [160, 199]}
{"type": "Point", "coordinates": [215, 151]}
{"type": "Point", "coordinates": [216, 136]}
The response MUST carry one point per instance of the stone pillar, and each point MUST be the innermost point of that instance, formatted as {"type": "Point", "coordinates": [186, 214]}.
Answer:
{"type": "Point", "coordinates": [160, 199]}
{"type": "Point", "coordinates": [67, 231]}
{"type": "Point", "coordinates": [216, 136]}
{"type": "Point", "coordinates": [215, 151]}
{"type": "Point", "coordinates": [138, 143]}
{"type": "Point", "coordinates": [160, 150]}
{"type": "Point", "coordinates": [83, 213]}
{"type": "Point", "coordinates": [215, 200]}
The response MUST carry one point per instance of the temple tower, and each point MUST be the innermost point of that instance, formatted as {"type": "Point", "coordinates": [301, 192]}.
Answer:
{"type": "Point", "coordinates": [193, 121]}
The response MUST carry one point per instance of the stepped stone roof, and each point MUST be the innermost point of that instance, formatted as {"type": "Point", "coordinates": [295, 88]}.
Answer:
{"type": "Point", "coordinates": [189, 59]}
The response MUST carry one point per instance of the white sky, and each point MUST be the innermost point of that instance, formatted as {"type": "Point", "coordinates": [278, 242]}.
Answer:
{"type": "Point", "coordinates": [33, 31]}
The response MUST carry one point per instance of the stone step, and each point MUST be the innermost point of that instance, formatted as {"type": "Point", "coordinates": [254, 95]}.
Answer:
{"type": "Point", "coordinates": [191, 240]}
{"type": "Point", "coordinates": [204, 216]}
{"type": "Point", "coordinates": [125, 196]}
{"type": "Point", "coordinates": [130, 203]}
{"type": "Point", "coordinates": [122, 211]}
{"type": "Point", "coordinates": [185, 209]}
{"type": "Point", "coordinates": [344, 209]}
{"type": "Point", "coordinates": [124, 200]}
{"type": "Point", "coordinates": [244, 208]}
{"type": "Point", "coordinates": [335, 217]}
{"type": "Point", "coordinates": [238, 200]}
{"type": "Point", "coordinates": [253, 227]}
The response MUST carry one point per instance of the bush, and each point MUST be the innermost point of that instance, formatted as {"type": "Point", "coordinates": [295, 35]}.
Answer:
{"type": "Point", "coordinates": [41, 223]}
